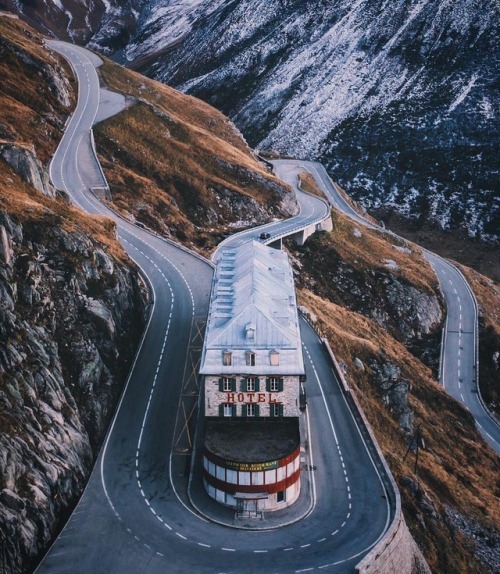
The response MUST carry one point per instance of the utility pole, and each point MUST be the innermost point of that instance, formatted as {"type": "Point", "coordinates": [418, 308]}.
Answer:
{"type": "Point", "coordinates": [414, 445]}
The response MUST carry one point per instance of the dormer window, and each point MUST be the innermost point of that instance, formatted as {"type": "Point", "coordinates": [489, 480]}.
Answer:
{"type": "Point", "coordinates": [250, 358]}
{"type": "Point", "coordinates": [250, 332]}
{"type": "Point", "coordinates": [274, 358]}
{"type": "Point", "coordinates": [227, 358]}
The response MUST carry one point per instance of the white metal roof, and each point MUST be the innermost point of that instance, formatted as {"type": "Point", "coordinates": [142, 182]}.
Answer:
{"type": "Point", "coordinates": [253, 308]}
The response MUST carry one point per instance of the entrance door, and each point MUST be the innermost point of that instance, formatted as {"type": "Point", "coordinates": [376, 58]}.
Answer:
{"type": "Point", "coordinates": [250, 506]}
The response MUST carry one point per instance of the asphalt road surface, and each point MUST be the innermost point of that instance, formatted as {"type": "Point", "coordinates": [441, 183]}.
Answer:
{"type": "Point", "coordinates": [458, 373]}
{"type": "Point", "coordinates": [134, 515]}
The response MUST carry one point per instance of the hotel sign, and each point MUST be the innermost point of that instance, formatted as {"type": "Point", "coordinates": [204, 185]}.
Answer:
{"type": "Point", "coordinates": [254, 398]}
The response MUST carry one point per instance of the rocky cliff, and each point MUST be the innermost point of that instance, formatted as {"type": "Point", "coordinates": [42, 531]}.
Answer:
{"type": "Point", "coordinates": [25, 162]}
{"type": "Point", "coordinates": [70, 316]}
{"type": "Point", "coordinates": [386, 279]}
{"type": "Point", "coordinates": [71, 310]}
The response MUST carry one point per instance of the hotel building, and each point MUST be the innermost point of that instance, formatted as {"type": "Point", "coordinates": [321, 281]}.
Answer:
{"type": "Point", "coordinates": [252, 367]}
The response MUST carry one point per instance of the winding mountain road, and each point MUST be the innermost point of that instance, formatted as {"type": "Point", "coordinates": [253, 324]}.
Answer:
{"type": "Point", "coordinates": [135, 515]}
{"type": "Point", "coordinates": [459, 362]}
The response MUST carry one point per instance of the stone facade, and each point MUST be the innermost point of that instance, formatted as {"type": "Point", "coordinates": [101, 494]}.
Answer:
{"type": "Point", "coordinates": [268, 402]}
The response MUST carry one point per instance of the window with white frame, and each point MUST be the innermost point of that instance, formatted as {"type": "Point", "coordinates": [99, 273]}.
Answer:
{"type": "Point", "coordinates": [250, 410]}
{"type": "Point", "coordinates": [228, 410]}
{"type": "Point", "coordinates": [251, 384]}
{"type": "Point", "coordinates": [226, 384]}
{"type": "Point", "coordinates": [274, 384]}
{"type": "Point", "coordinates": [276, 409]}
{"type": "Point", "coordinates": [250, 358]}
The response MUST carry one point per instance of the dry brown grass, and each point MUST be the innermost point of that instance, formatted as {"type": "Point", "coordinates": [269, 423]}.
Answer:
{"type": "Point", "coordinates": [29, 109]}
{"type": "Point", "coordinates": [169, 156]}
{"type": "Point", "coordinates": [374, 248]}
{"type": "Point", "coordinates": [456, 468]}
{"type": "Point", "coordinates": [183, 109]}
{"type": "Point", "coordinates": [487, 293]}
{"type": "Point", "coordinates": [308, 183]}
{"type": "Point", "coordinates": [356, 206]}
{"type": "Point", "coordinates": [367, 249]}
{"type": "Point", "coordinates": [24, 205]}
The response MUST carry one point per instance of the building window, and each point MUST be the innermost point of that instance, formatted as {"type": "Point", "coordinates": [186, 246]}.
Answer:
{"type": "Point", "coordinates": [228, 410]}
{"type": "Point", "coordinates": [274, 384]}
{"type": "Point", "coordinates": [227, 384]}
{"type": "Point", "coordinates": [281, 496]}
{"type": "Point", "coordinates": [250, 331]}
{"type": "Point", "coordinates": [274, 358]}
{"type": "Point", "coordinates": [276, 410]}
{"type": "Point", "coordinates": [250, 358]}
{"type": "Point", "coordinates": [250, 410]}
{"type": "Point", "coordinates": [250, 384]}
{"type": "Point", "coordinates": [227, 358]}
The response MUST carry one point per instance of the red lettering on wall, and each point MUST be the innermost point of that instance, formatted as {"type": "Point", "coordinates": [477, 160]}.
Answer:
{"type": "Point", "coordinates": [251, 396]}
{"type": "Point", "coordinates": [261, 397]}
{"type": "Point", "coordinates": [230, 398]}
{"type": "Point", "coordinates": [241, 398]}
{"type": "Point", "coordinates": [271, 399]}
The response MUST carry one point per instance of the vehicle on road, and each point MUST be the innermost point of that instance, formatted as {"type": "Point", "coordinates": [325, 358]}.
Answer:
{"type": "Point", "coordinates": [265, 235]}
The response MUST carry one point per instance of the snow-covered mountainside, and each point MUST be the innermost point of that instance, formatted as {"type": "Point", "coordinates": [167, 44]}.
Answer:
{"type": "Point", "coordinates": [106, 25]}
{"type": "Point", "coordinates": [395, 96]}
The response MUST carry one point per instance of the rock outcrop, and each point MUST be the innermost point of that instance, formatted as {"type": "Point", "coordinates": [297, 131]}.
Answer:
{"type": "Point", "coordinates": [380, 293]}
{"type": "Point", "coordinates": [26, 163]}
{"type": "Point", "coordinates": [70, 316]}
{"type": "Point", "coordinates": [394, 391]}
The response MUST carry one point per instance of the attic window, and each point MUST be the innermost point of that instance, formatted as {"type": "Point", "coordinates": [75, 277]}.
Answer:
{"type": "Point", "coordinates": [274, 358]}
{"type": "Point", "coordinates": [227, 358]}
{"type": "Point", "coordinates": [250, 358]}
{"type": "Point", "coordinates": [250, 331]}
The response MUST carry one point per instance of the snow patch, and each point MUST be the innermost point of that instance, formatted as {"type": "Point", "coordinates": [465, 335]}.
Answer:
{"type": "Point", "coordinates": [391, 264]}
{"type": "Point", "coordinates": [463, 94]}
{"type": "Point", "coordinates": [402, 249]}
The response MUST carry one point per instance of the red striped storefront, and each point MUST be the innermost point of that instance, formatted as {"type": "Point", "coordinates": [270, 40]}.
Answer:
{"type": "Point", "coordinates": [263, 485]}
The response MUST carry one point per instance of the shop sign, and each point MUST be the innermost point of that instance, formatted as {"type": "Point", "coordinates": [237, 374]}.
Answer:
{"type": "Point", "coordinates": [251, 467]}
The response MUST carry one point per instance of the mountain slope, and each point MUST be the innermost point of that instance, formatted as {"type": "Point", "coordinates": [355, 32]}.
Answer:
{"type": "Point", "coordinates": [396, 98]}
{"type": "Point", "coordinates": [109, 22]}
{"type": "Point", "coordinates": [377, 302]}
{"type": "Point", "coordinates": [141, 148]}
{"type": "Point", "coordinates": [181, 167]}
